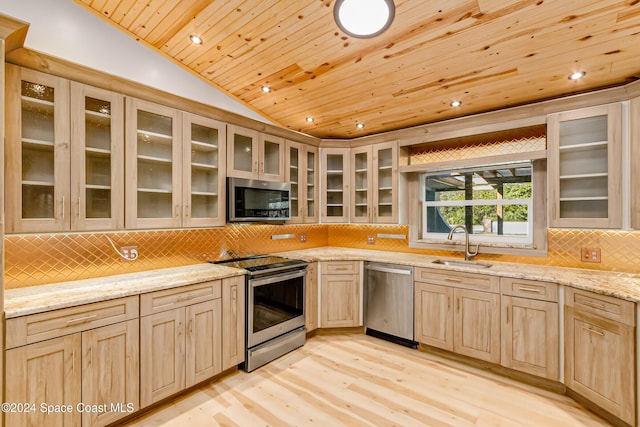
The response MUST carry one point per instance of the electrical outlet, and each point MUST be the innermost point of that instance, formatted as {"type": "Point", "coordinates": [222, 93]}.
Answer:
{"type": "Point", "coordinates": [371, 240]}
{"type": "Point", "coordinates": [590, 255]}
{"type": "Point", "coordinates": [129, 253]}
{"type": "Point", "coordinates": [303, 237]}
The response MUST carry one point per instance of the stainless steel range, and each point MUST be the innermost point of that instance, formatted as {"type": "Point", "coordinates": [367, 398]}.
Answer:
{"type": "Point", "coordinates": [275, 289]}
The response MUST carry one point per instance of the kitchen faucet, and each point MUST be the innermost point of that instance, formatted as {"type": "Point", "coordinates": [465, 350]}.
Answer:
{"type": "Point", "coordinates": [467, 254]}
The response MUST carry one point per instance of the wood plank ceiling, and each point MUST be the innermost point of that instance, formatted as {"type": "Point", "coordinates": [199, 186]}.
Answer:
{"type": "Point", "coordinates": [489, 54]}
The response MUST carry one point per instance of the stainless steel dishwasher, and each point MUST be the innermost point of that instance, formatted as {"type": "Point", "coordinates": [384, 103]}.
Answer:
{"type": "Point", "coordinates": [388, 302]}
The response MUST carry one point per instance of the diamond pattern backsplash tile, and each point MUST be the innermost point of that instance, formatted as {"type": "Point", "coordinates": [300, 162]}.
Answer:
{"type": "Point", "coordinates": [36, 259]}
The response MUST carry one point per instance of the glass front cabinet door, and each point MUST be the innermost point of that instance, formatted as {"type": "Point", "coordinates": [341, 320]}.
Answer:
{"type": "Point", "coordinates": [153, 172]}
{"type": "Point", "coordinates": [335, 184]}
{"type": "Point", "coordinates": [254, 155]}
{"type": "Point", "coordinates": [203, 181]}
{"type": "Point", "coordinates": [302, 173]}
{"type": "Point", "coordinates": [37, 152]}
{"type": "Point", "coordinates": [64, 155]}
{"type": "Point", "coordinates": [585, 177]}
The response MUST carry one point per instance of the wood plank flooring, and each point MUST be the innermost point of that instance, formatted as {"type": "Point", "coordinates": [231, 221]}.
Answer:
{"type": "Point", "coordinates": [356, 380]}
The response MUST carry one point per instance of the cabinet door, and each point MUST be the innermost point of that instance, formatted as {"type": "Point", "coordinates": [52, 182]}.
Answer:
{"type": "Point", "coordinates": [530, 336]}
{"type": "Point", "coordinates": [335, 184]}
{"type": "Point", "coordinates": [434, 315]}
{"type": "Point", "coordinates": [204, 341]}
{"type": "Point", "coordinates": [153, 166]}
{"type": "Point", "coordinates": [635, 161]}
{"type": "Point", "coordinates": [242, 152]}
{"type": "Point", "coordinates": [340, 301]}
{"type": "Point", "coordinates": [110, 371]}
{"type": "Point", "coordinates": [311, 297]}
{"type": "Point", "coordinates": [162, 355]}
{"type": "Point", "coordinates": [203, 180]}
{"type": "Point", "coordinates": [271, 158]}
{"type": "Point", "coordinates": [385, 182]}
{"type": "Point", "coordinates": [233, 321]}
{"type": "Point", "coordinates": [46, 372]}
{"type": "Point", "coordinates": [294, 160]}
{"type": "Point", "coordinates": [361, 182]}
{"type": "Point", "coordinates": [477, 325]}
{"type": "Point", "coordinates": [599, 362]}
{"type": "Point", "coordinates": [37, 152]}
{"type": "Point", "coordinates": [585, 176]}
{"type": "Point", "coordinates": [310, 203]}
{"type": "Point", "coordinates": [97, 159]}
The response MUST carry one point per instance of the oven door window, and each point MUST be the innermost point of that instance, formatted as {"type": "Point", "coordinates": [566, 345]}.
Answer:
{"type": "Point", "coordinates": [275, 303]}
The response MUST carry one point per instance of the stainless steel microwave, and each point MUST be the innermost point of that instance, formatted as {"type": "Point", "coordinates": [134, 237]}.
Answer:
{"type": "Point", "coordinates": [256, 200]}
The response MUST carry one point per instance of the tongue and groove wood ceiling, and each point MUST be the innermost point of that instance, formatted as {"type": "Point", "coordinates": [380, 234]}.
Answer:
{"type": "Point", "coordinates": [489, 54]}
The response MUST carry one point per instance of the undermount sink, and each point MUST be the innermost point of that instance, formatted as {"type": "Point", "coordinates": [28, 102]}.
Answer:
{"type": "Point", "coordinates": [462, 264]}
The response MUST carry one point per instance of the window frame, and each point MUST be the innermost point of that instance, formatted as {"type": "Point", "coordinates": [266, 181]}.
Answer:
{"type": "Point", "coordinates": [536, 247]}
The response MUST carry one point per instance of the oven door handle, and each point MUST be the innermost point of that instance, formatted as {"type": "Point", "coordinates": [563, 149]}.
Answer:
{"type": "Point", "coordinates": [276, 278]}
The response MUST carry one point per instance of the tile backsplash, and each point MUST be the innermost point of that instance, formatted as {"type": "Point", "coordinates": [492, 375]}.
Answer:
{"type": "Point", "coordinates": [34, 259]}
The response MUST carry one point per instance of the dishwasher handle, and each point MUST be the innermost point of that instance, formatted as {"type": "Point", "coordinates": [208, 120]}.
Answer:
{"type": "Point", "coordinates": [388, 270]}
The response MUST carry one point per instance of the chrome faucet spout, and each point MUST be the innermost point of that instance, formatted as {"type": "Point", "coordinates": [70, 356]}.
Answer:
{"type": "Point", "coordinates": [467, 253]}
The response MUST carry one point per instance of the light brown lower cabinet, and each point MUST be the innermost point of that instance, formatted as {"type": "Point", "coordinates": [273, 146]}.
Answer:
{"type": "Point", "coordinates": [530, 327]}
{"type": "Point", "coordinates": [458, 312]}
{"type": "Point", "coordinates": [600, 351]}
{"type": "Point", "coordinates": [47, 372]}
{"type": "Point", "coordinates": [180, 346]}
{"type": "Point", "coordinates": [340, 294]}
{"type": "Point", "coordinates": [311, 297]}
{"type": "Point", "coordinates": [233, 321]}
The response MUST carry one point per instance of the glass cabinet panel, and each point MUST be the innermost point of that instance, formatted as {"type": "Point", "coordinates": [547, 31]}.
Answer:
{"type": "Point", "coordinates": [312, 185]}
{"type": "Point", "coordinates": [294, 180]}
{"type": "Point", "coordinates": [37, 144]}
{"type": "Point", "coordinates": [584, 170]}
{"type": "Point", "coordinates": [98, 158]}
{"type": "Point", "coordinates": [204, 174]}
{"type": "Point", "coordinates": [335, 184]}
{"type": "Point", "coordinates": [361, 171]}
{"type": "Point", "coordinates": [242, 153]}
{"type": "Point", "coordinates": [386, 187]}
{"type": "Point", "coordinates": [302, 165]}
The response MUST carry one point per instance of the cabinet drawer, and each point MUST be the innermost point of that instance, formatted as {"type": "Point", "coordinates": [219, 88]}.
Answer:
{"type": "Point", "coordinates": [42, 326]}
{"type": "Point", "coordinates": [156, 302]}
{"type": "Point", "coordinates": [340, 267]}
{"type": "Point", "coordinates": [458, 279]}
{"type": "Point", "coordinates": [543, 291]}
{"type": "Point", "coordinates": [602, 305]}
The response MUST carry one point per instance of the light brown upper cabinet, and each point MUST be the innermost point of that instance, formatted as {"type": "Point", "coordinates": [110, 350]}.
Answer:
{"type": "Point", "coordinates": [64, 154]}
{"type": "Point", "coordinates": [302, 172]}
{"type": "Point", "coordinates": [335, 184]}
{"type": "Point", "coordinates": [154, 153]}
{"type": "Point", "coordinates": [203, 179]}
{"type": "Point", "coordinates": [175, 168]}
{"type": "Point", "coordinates": [585, 176]}
{"type": "Point", "coordinates": [254, 155]}
{"type": "Point", "coordinates": [374, 183]}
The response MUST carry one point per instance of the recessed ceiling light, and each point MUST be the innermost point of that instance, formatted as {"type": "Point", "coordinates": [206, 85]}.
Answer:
{"type": "Point", "coordinates": [577, 75]}
{"type": "Point", "coordinates": [195, 39]}
{"type": "Point", "coordinates": [360, 125]}
{"type": "Point", "coordinates": [310, 119]}
{"type": "Point", "coordinates": [363, 18]}
{"type": "Point", "coordinates": [456, 103]}
{"type": "Point", "coordinates": [266, 89]}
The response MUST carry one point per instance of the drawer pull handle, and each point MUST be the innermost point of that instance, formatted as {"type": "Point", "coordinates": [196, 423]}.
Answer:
{"type": "Point", "coordinates": [185, 298]}
{"type": "Point", "coordinates": [593, 331]}
{"type": "Point", "coordinates": [449, 279]}
{"type": "Point", "coordinates": [523, 289]}
{"type": "Point", "coordinates": [594, 304]}
{"type": "Point", "coordinates": [81, 320]}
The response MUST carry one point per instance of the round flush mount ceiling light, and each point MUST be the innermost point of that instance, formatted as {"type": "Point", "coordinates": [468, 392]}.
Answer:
{"type": "Point", "coordinates": [577, 75]}
{"type": "Point", "coordinates": [364, 18]}
{"type": "Point", "coordinates": [195, 39]}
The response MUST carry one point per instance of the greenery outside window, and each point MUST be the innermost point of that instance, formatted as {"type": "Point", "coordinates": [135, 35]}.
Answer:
{"type": "Point", "coordinates": [495, 202]}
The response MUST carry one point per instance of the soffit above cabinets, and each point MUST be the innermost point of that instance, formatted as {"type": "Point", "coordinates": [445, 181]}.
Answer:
{"type": "Point", "coordinates": [489, 54]}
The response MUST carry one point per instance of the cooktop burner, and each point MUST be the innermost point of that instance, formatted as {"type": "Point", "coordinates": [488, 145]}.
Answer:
{"type": "Point", "coordinates": [264, 263]}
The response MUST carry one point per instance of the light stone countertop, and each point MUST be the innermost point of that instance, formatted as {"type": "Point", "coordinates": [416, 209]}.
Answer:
{"type": "Point", "coordinates": [616, 284]}
{"type": "Point", "coordinates": [37, 299]}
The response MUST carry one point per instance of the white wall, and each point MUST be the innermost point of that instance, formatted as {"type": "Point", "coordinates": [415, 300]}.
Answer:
{"type": "Point", "coordinates": [65, 30]}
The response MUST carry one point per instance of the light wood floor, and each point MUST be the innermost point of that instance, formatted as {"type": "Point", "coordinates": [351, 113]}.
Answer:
{"type": "Point", "coordinates": [356, 380]}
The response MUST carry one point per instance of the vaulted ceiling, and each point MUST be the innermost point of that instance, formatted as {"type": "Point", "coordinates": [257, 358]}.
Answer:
{"type": "Point", "coordinates": [488, 54]}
